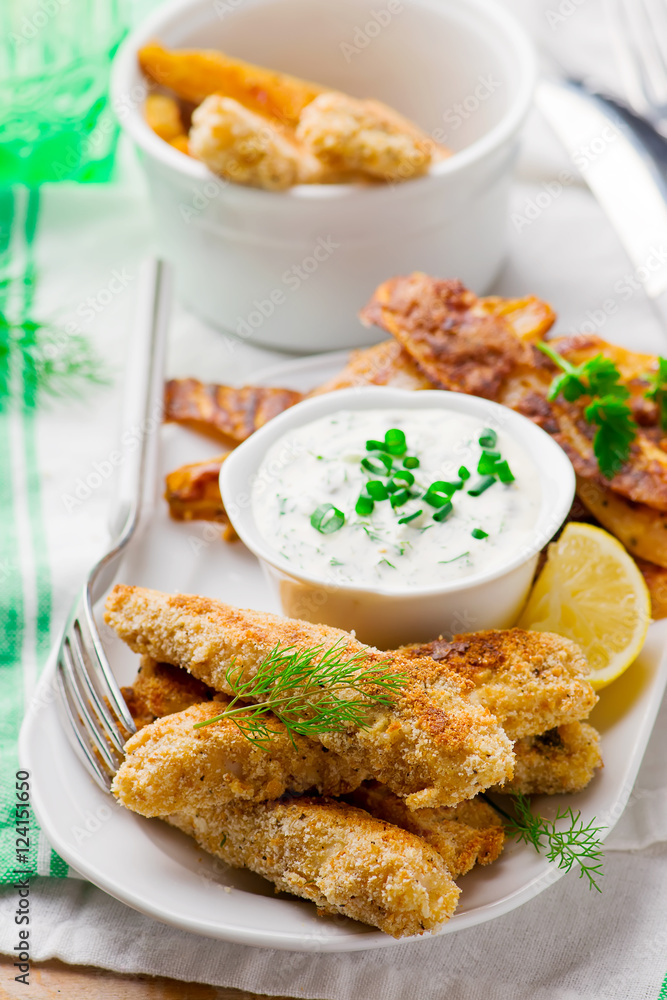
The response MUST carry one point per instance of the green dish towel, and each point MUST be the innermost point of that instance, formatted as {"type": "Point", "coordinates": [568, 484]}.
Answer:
{"type": "Point", "coordinates": [25, 579]}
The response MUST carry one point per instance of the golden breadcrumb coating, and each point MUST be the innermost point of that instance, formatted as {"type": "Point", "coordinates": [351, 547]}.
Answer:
{"type": "Point", "coordinates": [561, 760]}
{"type": "Point", "coordinates": [434, 748]}
{"type": "Point", "coordinates": [246, 148]}
{"type": "Point", "coordinates": [170, 766]}
{"type": "Point", "coordinates": [464, 835]}
{"type": "Point", "coordinates": [366, 136]}
{"type": "Point", "coordinates": [162, 689]}
{"type": "Point", "coordinates": [531, 681]}
{"type": "Point", "coordinates": [337, 856]}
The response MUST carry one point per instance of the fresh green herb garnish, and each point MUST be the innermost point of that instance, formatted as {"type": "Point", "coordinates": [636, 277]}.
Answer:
{"type": "Point", "coordinates": [311, 691]}
{"type": "Point", "coordinates": [387, 563]}
{"type": "Point", "coordinates": [364, 506]}
{"type": "Point", "coordinates": [411, 462]}
{"type": "Point", "coordinates": [394, 441]}
{"type": "Point", "coordinates": [439, 493]}
{"type": "Point", "coordinates": [327, 518]}
{"type": "Point", "coordinates": [488, 438]}
{"type": "Point", "coordinates": [375, 467]}
{"type": "Point", "coordinates": [463, 473]}
{"type": "Point", "coordinates": [405, 475]}
{"type": "Point", "coordinates": [657, 390]}
{"type": "Point", "coordinates": [487, 463]}
{"type": "Point", "coordinates": [409, 517]}
{"type": "Point", "coordinates": [400, 497]}
{"type": "Point", "coordinates": [444, 511]}
{"type": "Point", "coordinates": [579, 844]}
{"type": "Point", "coordinates": [444, 562]}
{"type": "Point", "coordinates": [600, 379]}
{"type": "Point", "coordinates": [481, 485]}
{"type": "Point", "coordinates": [478, 533]}
{"type": "Point", "coordinates": [376, 489]}
{"type": "Point", "coordinates": [504, 472]}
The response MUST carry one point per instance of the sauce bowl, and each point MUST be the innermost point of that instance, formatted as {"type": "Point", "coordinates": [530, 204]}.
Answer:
{"type": "Point", "coordinates": [484, 599]}
{"type": "Point", "coordinates": [289, 269]}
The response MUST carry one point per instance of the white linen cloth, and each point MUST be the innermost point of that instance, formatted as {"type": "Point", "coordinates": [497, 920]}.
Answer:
{"type": "Point", "coordinates": [567, 943]}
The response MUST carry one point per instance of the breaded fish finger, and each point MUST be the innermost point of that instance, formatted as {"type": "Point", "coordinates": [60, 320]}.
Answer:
{"type": "Point", "coordinates": [337, 856]}
{"type": "Point", "coordinates": [432, 749]}
{"type": "Point", "coordinates": [561, 760]}
{"type": "Point", "coordinates": [464, 835]}
{"type": "Point", "coordinates": [531, 681]}
{"type": "Point", "coordinates": [172, 767]}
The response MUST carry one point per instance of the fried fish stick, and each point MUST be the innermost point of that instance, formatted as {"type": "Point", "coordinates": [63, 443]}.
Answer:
{"type": "Point", "coordinates": [434, 748]}
{"type": "Point", "coordinates": [162, 689]}
{"type": "Point", "coordinates": [339, 857]}
{"type": "Point", "coordinates": [561, 760]}
{"type": "Point", "coordinates": [170, 766]}
{"type": "Point", "coordinates": [531, 681]}
{"type": "Point", "coordinates": [464, 835]}
{"type": "Point", "coordinates": [194, 74]}
{"type": "Point", "coordinates": [163, 115]}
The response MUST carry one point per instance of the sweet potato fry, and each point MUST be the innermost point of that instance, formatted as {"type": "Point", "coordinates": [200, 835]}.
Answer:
{"type": "Point", "coordinates": [193, 75]}
{"type": "Point", "coordinates": [226, 413]}
{"type": "Point", "coordinates": [163, 115]}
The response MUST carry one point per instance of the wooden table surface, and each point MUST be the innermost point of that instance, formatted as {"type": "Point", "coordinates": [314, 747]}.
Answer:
{"type": "Point", "coordinates": [49, 980]}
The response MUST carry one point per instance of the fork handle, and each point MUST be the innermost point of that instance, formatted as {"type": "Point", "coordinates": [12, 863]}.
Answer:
{"type": "Point", "coordinates": [143, 407]}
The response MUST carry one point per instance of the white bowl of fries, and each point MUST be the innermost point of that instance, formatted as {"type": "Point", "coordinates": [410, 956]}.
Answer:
{"type": "Point", "coordinates": [287, 269]}
{"type": "Point", "coordinates": [488, 599]}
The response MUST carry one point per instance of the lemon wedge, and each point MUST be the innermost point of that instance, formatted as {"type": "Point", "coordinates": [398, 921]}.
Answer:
{"type": "Point", "coordinates": [591, 591]}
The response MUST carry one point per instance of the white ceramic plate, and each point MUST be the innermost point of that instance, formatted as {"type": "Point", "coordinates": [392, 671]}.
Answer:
{"type": "Point", "coordinates": [162, 873]}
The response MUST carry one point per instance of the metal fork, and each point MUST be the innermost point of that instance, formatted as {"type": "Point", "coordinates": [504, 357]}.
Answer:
{"type": "Point", "coordinates": [92, 708]}
{"type": "Point", "coordinates": [639, 34]}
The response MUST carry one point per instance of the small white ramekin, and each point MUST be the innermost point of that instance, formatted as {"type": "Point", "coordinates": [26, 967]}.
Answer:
{"type": "Point", "coordinates": [290, 270]}
{"type": "Point", "coordinates": [388, 619]}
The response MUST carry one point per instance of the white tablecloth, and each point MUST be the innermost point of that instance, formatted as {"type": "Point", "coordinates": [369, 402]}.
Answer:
{"type": "Point", "coordinates": [567, 943]}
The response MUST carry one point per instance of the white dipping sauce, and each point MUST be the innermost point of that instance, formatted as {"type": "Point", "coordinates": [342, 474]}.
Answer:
{"type": "Point", "coordinates": [320, 463]}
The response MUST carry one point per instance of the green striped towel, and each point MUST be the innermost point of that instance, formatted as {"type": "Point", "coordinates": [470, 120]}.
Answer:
{"type": "Point", "coordinates": [25, 584]}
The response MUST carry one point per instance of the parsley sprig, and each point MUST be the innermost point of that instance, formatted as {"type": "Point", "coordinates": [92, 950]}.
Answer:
{"type": "Point", "coordinates": [608, 410]}
{"type": "Point", "coordinates": [657, 390]}
{"type": "Point", "coordinates": [576, 844]}
{"type": "Point", "coordinates": [311, 691]}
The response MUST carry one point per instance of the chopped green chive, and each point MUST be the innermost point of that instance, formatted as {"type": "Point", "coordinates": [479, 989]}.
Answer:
{"type": "Point", "coordinates": [364, 506]}
{"type": "Point", "coordinates": [327, 519]}
{"type": "Point", "coordinates": [380, 468]}
{"type": "Point", "coordinates": [443, 511]}
{"type": "Point", "coordinates": [375, 445]}
{"type": "Point", "coordinates": [400, 497]}
{"type": "Point", "coordinates": [392, 486]}
{"type": "Point", "coordinates": [405, 476]}
{"type": "Point", "coordinates": [463, 474]}
{"type": "Point", "coordinates": [488, 438]}
{"type": "Point", "coordinates": [504, 472]}
{"type": "Point", "coordinates": [394, 441]}
{"type": "Point", "coordinates": [487, 463]}
{"type": "Point", "coordinates": [410, 517]}
{"type": "Point", "coordinates": [438, 493]}
{"type": "Point", "coordinates": [411, 462]}
{"type": "Point", "coordinates": [376, 489]}
{"type": "Point", "coordinates": [478, 533]}
{"type": "Point", "coordinates": [481, 485]}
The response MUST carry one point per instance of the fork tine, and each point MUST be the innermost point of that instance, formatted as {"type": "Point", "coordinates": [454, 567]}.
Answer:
{"type": "Point", "coordinates": [75, 729]}
{"type": "Point", "coordinates": [637, 27]}
{"type": "Point", "coordinates": [73, 670]}
{"type": "Point", "coordinates": [89, 674]}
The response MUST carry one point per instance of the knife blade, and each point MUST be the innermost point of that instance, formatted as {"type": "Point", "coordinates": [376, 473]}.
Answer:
{"type": "Point", "coordinates": [620, 170]}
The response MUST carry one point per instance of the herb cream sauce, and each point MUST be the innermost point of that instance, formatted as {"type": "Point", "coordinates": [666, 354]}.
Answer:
{"type": "Point", "coordinates": [320, 464]}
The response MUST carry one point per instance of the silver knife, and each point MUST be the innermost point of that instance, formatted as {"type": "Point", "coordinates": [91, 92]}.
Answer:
{"type": "Point", "coordinates": [622, 173]}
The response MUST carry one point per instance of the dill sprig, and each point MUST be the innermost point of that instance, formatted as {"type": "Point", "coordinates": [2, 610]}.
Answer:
{"type": "Point", "coordinates": [577, 844]}
{"type": "Point", "coordinates": [311, 691]}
